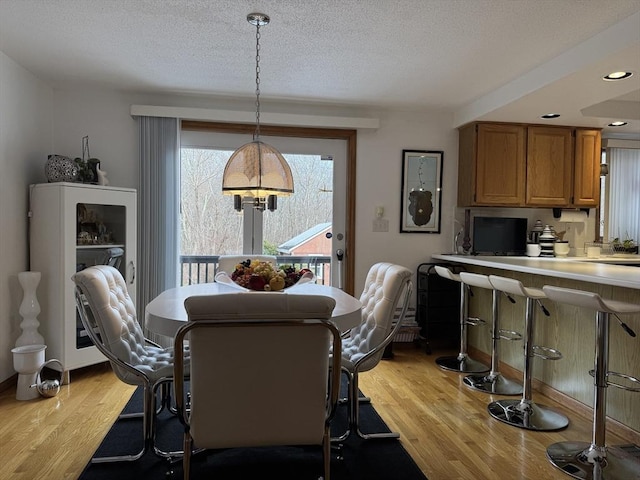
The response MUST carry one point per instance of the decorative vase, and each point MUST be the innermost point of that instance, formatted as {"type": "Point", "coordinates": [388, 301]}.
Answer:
{"type": "Point", "coordinates": [29, 310]}
{"type": "Point", "coordinates": [547, 240]}
{"type": "Point", "coordinates": [60, 169]}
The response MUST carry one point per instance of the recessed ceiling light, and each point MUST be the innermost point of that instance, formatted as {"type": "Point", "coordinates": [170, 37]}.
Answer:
{"type": "Point", "coordinates": [550, 115]}
{"type": "Point", "coordinates": [613, 76]}
{"type": "Point", "coordinates": [617, 124]}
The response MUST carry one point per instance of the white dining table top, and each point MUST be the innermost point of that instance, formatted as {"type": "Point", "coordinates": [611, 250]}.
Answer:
{"type": "Point", "coordinates": [165, 314]}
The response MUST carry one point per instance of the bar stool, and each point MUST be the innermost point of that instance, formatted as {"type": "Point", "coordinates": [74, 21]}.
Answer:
{"type": "Point", "coordinates": [462, 362]}
{"type": "Point", "coordinates": [596, 460]}
{"type": "Point", "coordinates": [524, 413]}
{"type": "Point", "coordinates": [494, 381]}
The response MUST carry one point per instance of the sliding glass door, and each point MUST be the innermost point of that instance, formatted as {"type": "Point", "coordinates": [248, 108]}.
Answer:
{"type": "Point", "coordinates": [310, 223]}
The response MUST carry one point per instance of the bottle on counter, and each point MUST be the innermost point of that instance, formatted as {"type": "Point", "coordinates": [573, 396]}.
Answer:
{"type": "Point", "coordinates": [547, 240]}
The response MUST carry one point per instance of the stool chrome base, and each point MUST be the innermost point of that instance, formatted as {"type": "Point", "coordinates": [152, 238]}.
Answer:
{"type": "Point", "coordinates": [493, 384]}
{"type": "Point", "coordinates": [462, 365]}
{"type": "Point", "coordinates": [527, 415]}
{"type": "Point", "coordinates": [572, 459]}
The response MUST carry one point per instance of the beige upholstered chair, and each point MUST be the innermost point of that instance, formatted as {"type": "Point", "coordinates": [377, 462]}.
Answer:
{"type": "Point", "coordinates": [261, 372]}
{"type": "Point", "coordinates": [386, 286]}
{"type": "Point", "coordinates": [109, 317]}
{"type": "Point", "coordinates": [227, 263]}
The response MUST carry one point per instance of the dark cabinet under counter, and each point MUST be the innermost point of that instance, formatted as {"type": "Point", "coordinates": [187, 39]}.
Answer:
{"type": "Point", "coordinates": [437, 307]}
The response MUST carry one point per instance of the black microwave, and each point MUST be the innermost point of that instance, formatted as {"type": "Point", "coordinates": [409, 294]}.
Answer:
{"type": "Point", "coordinates": [499, 236]}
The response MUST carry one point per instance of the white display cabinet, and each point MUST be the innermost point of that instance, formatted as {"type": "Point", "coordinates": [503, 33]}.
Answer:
{"type": "Point", "coordinates": [74, 226]}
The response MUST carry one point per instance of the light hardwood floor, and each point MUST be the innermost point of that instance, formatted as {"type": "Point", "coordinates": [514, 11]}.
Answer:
{"type": "Point", "coordinates": [444, 425]}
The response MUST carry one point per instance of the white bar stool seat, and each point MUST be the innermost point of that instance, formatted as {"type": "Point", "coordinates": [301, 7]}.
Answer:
{"type": "Point", "coordinates": [462, 362]}
{"type": "Point", "coordinates": [596, 460]}
{"type": "Point", "coordinates": [524, 413]}
{"type": "Point", "coordinates": [494, 382]}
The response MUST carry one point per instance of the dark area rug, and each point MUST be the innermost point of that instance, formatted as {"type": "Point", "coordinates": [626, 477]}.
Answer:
{"type": "Point", "coordinates": [380, 459]}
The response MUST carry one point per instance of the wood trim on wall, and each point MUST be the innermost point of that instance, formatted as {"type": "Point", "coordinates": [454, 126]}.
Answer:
{"type": "Point", "coordinates": [10, 382]}
{"type": "Point", "coordinates": [350, 136]}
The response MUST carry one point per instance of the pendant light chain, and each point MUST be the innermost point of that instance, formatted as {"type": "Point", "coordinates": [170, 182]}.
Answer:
{"type": "Point", "coordinates": [256, 136]}
{"type": "Point", "coordinates": [257, 171]}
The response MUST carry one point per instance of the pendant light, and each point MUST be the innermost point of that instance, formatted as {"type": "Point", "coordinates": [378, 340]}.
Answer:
{"type": "Point", "coordinates": [257, 169]}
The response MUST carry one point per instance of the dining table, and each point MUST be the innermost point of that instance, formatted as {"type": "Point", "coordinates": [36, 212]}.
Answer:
{"type": "Point", "coordinates": [165, 314]}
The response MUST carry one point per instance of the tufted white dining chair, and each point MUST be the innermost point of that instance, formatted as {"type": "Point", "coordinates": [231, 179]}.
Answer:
{"type": "Point", "coordinates": [272, 351]}
{"type": "Point", "coordinates": [386, 286]}
{"type": "Point", "coordinates": [227, 263]}
{"type": "Point", "coordinates": [108, 315]}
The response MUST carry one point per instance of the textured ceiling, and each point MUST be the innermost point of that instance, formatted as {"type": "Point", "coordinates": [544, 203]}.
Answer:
{"type": "Point", "coordinates": [509, 60]}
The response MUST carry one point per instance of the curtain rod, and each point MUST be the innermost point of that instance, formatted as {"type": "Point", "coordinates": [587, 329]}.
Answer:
{"type": "Point", "coordinates": [234, 116]}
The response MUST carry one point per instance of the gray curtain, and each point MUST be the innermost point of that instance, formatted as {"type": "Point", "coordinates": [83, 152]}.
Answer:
{"type": "Point", "coordinates": [158, 203]}
{"type": "Point", "coordinates": [624, 193]}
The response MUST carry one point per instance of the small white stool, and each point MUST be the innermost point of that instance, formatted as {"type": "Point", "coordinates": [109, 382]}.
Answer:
{"type": "Point", "coordinates": [524, 413]}
{"type": "Point", "coordinates": [494, 381]}
{"type": "Point", "coordinates": [27, 360]}
{"type": "Point", "coordinates": [462, 362]}
{"type": "Point", "coordinates": [595, 460]}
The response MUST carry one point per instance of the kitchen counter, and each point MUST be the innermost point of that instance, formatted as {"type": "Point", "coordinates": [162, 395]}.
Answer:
{"type": "Point", "coordinates": [572, 268]}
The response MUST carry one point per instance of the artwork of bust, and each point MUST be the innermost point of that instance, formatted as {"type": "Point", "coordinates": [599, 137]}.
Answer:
{"type": "Point", "coordinates": [420, 206]}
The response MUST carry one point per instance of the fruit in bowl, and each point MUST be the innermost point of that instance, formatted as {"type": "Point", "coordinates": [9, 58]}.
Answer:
{"type": "Point", "coordinates": [264, 276]}
{"type": "Point", "coordinates": [256, 282]}
{"type": "Point", "coordinates": [276, 283]}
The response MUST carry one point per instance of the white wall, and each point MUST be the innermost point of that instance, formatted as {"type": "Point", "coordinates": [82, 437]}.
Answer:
{"type": "Point", "coordinates": [37, 121]}
{"type": "Point", "coordinates": [106, 118]}
{"type": "Point", "coordinates": [113, 134]}
{"type": "Point", "coordinates": [379, 178]}
{"type": "Point", "coordinates": [26, 138]}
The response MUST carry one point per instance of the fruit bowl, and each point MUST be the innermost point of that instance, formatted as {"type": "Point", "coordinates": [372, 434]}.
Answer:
{"type": "Point", "coordinates": [262, 276]}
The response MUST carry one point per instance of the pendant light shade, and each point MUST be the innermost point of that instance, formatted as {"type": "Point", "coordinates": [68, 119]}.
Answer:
{"type": "Point", "coordinates": [257, 170]}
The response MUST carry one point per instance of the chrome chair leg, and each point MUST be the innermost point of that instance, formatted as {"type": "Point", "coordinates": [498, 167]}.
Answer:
{"type": "Point", "coordinates": [494, 382]}
{"type": "Point", "coordinates": [462, 362]}
{"type": "Point", "coordinates": [353, 425]}
{"type": "Point", "coordinates": [147, 429]}
{"type": "Point", "coordinates": [596, 460]}
{"type": "Point", "coordinates": [525, 413]}
{"type": "Point", "coordinates": [354, 415]}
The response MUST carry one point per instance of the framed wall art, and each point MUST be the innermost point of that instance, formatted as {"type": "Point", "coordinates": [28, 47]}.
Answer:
{"type": "Point", "coordinates": [421, 191]}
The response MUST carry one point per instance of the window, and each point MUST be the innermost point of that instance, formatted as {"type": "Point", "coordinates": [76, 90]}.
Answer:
{"type": "Point", "coordinates": [620, 195]}
{"type": "Point", "coordinates": [210, 225]}
{"type": "Point", "coordinates": [320, 164]}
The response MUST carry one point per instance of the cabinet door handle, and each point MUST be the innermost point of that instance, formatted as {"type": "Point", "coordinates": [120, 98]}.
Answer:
{"type": "Point", "coordinates": [132, 272]}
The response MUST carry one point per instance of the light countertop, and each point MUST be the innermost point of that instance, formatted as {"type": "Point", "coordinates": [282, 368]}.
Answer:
{"type": "Point", "coordinates": [572, 268]}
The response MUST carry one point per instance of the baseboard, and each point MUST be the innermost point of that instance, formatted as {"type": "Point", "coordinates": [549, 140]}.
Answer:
{"type": "Point", "coordinates": [613, 426]}
{"type": "Point", "coordinates": [10, 382]}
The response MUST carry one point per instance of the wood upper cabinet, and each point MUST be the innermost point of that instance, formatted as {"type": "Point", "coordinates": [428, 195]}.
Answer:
{"type": "Point", "coordinates": [586, 186]}
{"type": "Point", "coordinates": [491, 169]}
{"type": "Point", "coordinates": [503, 164]}
{"type": "Point", "coordinates": [549, 166]}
